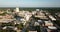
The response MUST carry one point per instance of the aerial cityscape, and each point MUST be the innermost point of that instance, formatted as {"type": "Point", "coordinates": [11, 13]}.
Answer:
{"type": "Point", "coordinates": [29, 15]}
{"type": "Point", "coordinates": [29, 19]}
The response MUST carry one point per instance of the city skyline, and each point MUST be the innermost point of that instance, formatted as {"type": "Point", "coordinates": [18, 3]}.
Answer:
{"type": "Point", "coordinates": [30, 3]}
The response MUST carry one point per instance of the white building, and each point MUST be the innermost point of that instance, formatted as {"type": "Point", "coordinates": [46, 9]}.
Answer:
{"type": "Point", "coordinates": [51, 17]}
{"type": "Point", "coordinates": [48, 23]}
{"type": "Point", "coordinates": [33, 12]}
{"type": "Point", "coordinates": [17, 9]}
{"type": "Point", "coordinates": [52, 27]}
{"type": "Point", "coordinates": [27, 17]}
{"type": "Point", "coordinates": [37, 9]}
{"type": "Point", "coordinates": [32, 31]}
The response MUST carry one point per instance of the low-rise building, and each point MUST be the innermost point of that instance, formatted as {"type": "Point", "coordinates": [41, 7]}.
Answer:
{"type": "Point", "coordinates": [7, 16]}
{"type": "Point", "coordinates": [48, 23]}
{"type": "Point", "coordinates": [22, 13]}
{"type": "Point", "coordinates": [33, 12]}
{"type": "Point", "coordinates": [52, 18]}
{"type": "Point", "coordinates": [41, 15]}
{"type": "Point", "coordinates": [32, 31]}
{"type": "Point", "coordinates": [1, 12]}
{"type": "Point", "coordinates": [6, 20]}
{"type": "Point", "coordinates": [52, 29]}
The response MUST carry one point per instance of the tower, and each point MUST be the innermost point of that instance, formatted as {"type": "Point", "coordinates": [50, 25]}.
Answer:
{"type": "Point", "coordinates": [17, 9]}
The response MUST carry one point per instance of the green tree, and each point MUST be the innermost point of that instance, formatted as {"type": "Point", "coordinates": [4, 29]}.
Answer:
{"type": "Point", "coordinates": [20, 26]}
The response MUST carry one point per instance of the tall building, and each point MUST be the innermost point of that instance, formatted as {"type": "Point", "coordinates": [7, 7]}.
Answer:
{"type": "Point", "coordinates": [17, 9]}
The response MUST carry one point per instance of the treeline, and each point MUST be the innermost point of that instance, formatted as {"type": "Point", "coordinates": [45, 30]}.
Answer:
{"type": "Point", "coordinates": [53, 10]}
{"type": "Point", "coordinates": [33, 9]}
{"type": "Point", "coordinates": [45, 9]}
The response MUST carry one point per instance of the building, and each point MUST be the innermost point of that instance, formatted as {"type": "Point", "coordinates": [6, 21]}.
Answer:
{"type": "Point", "coordinates": [37, 9]}
{"type": "Point", "coordinates": [6, 20]}
{"type": "Point", "coordinates": [25, 14]}
{"type": "Point", "coordinates": [48, 23]}
{"type": "Point", "coordinates": [1, 12]}
{"type": "Point", "coordinates": [32, 31]}
{"type": "Point", "coordinates": [6, 16]}
{"type": "Point", "coordinates": [52, 18]}
{"type": "Point", "coordinates": [52, 29]}
{"type": "Point", "coordinates": [17, 9]}
{"type": "Point", "coordinates": [33, 12]}
{"type": "Point", "coordinates": [41, 15]}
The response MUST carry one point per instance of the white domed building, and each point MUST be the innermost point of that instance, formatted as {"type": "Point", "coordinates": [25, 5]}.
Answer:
{"type": "Point", "coordinates": [17, 9]}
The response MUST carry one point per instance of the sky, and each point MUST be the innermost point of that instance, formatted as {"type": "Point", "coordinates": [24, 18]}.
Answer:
{"type": "Point", "coordinates": [30, 3]}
